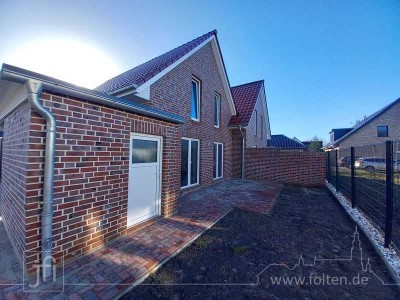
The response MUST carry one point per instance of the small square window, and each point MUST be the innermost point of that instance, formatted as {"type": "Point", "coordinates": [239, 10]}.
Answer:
{"type": "Point", "coordinates": [383, 131]}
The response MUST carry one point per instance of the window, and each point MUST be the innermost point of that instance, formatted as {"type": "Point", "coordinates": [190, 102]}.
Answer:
{"type": "Point", "coordinates": [383, 131]}
{"type": "Point", "coordinates": [218, 160]}
{"type": "Point", "coordinates": [256, 116]}
{"type": "Point", "coordinates": [262, 126]}
{"type": "Point", "coordinates": [144, 151]}
{"type": "Point", "coordinates": [190, 162]}
{"type": "Point", "coordinates": [195, 100]}
{"type": "Point", "coordinates": [217, 110]}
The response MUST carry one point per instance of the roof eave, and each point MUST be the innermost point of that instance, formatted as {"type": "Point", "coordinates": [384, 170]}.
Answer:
{"type": "Point", "coordinates": [19, 75]}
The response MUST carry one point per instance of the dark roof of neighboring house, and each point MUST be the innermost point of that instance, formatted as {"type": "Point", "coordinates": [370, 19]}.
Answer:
{"type": "Point", "coordinates": [282, 141]}
{"type": "Point", "coordinates": [341, 130]}
{"type": "Point", "coordinates": [73, 90]}
{"type": "Point", "coordinates": [368, 119]}
{"type": "Point", "coordinates": [144, 72]}
{"type": "Point", "coordinates": [245, 98]}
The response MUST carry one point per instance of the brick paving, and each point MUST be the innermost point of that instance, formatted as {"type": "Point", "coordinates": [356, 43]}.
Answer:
{"type": "Point", "coordinates": [109, 271]}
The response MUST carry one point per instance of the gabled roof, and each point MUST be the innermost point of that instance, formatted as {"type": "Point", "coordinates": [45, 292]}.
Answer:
{"type": "Point", "coordinates": [139, 79]}
{"type": "Point", "coordinates": [245, 97]}
{"type": "Point", "coordinates": [142, 73]}
{"type": "Point", "coordinates": [364, 122]}
{"type": "Point", "coordinates": [284, 142]}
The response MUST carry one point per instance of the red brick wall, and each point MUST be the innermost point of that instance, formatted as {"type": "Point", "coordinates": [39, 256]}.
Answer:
{"type": "Point", "coordinates": [14, 172]}
{"type": "Point", "coordinates": [300, 168]}
{"type": "Point", "coordinates": [171, 93]}
{"type": "Point", "coordinates": [237, 152]}
{"type": "Point", "coordinates": [91, 172]}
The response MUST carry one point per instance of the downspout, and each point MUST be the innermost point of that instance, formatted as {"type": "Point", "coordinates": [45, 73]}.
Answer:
{"type": "Point", "coordinates": [34, 89]}
{"type": "Point", "coordinates": [243, 146]}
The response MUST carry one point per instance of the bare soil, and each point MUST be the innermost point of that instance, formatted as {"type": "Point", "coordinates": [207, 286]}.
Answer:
{"type": "Point", "coordinates": [245, 252]}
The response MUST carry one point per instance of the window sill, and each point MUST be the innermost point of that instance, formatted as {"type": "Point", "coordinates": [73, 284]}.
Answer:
{"type": "Point", "coordinates": [189, 186]}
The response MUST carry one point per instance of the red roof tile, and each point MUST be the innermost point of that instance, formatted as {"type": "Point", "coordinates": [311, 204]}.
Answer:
{"type": "Point", "coordinates": [146, 71]}
{"type": "Point", "coordinates": [245, 98]}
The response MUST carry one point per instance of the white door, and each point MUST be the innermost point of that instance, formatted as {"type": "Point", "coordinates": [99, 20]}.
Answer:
{"type": "Point", "coordinates": [144, 194]}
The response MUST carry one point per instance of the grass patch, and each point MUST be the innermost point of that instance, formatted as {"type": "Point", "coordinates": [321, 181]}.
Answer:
{"type": "Point", "coordinates": [240, 249]}
{"type": "Point", "coordinates": [202, 243]}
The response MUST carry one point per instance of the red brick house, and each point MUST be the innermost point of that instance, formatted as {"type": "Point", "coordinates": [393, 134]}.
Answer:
{"type": "Point", "coordinates": [81, 167]}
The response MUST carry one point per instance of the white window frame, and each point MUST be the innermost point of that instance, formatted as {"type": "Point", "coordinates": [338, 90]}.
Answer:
{"type": "Point", "coordinates": [189, 162]}
{"type": "Point", "coordinates": [217, 98]}
{"type": "Point", "coordinates": [198, 82]}
{"type": "Point", "coordinates": [216, 162]}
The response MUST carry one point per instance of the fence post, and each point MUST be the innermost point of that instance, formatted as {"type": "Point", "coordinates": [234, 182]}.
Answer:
{"type": "Point", "coordinates": [389, 193]}
{"type": "Point", "coordinates": [353, 187]}
{"type": "Point", "coordinates": [337, 170]}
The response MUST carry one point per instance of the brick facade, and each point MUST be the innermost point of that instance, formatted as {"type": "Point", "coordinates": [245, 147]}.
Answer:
{"type": "Point", "coordinates": [237, 152]}
{"type": "Point", "coordinates": [14, 183]}
{"type": "Point", "coordinates": [91, 172]}
{"type": "Point", "coordinates": [367, 134]}
{"type": "Point", "coordinates": [299, 168]}
{"type": "Point", "coordinates": [171, 93]}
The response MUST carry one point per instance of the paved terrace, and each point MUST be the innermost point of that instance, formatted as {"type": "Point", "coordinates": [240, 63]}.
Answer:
{"type": "Point", "coordinates": [111, 270]}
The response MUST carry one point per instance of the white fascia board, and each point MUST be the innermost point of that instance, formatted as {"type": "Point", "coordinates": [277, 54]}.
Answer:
{"type": "Point", "coordinates": [266, 114]}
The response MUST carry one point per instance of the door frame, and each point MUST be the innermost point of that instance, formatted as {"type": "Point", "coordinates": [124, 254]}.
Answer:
{"type": "Point", "coordinates": [159, 139]}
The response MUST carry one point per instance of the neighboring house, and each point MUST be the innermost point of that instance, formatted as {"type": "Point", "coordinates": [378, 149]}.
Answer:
{"type": "Point", "coordinates": [107, 161]}
{"type": "Point", "coordinates": [285, 143]}
{"type": "Point", "coordinates": [337, 133]}
{"type": "Point", "coordinates": [380, 126]}
{"type": "Point", "coordinates": [252, 113]}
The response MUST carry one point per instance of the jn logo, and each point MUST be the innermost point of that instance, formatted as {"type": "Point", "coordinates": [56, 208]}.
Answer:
{"type": "Point", "coordinates": [48, 266]}
{"type": "Point", "coordinates": [46, 276]}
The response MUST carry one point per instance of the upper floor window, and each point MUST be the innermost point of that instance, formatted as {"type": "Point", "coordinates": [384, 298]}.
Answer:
{"type": "Point", "coordinates": [262, 126]}
{"type": "Point", "coordinates": [217, 110]}
{"type": "Point", "coordinates": [195, 100]}
{"type": "Point", "coordinates": [383, 131]}
{"type": "Point", "coordinates": [256, 118]}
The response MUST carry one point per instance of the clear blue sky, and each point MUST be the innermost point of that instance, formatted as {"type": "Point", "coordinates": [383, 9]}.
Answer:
{"type": "Point", "coordinates": [325, 63]}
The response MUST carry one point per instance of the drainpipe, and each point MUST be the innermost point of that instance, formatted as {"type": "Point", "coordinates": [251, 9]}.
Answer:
{"type": "Point", "coordinates": [34, 89]}
{"type": "Point", "coordinates": [243, 146]}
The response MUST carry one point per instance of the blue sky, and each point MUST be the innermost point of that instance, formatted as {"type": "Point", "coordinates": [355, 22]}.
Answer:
{"type": "Point", "coordinates": [325, 63]}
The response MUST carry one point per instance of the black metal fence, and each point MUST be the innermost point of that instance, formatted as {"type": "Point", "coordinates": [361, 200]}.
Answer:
{"type": "Point", "coordinates": [369, 177]}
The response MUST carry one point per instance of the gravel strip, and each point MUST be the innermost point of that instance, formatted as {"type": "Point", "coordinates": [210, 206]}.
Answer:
{"type": "Point", "coordinates": [390, 255]}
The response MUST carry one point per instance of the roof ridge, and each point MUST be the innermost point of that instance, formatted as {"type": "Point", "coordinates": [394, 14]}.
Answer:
{"type": "Point", "coordinates": [369, 118]}
{"type": "Point", "coordinates": [210, 33]}
{"type": "Point", "coordinates": [256, 81]}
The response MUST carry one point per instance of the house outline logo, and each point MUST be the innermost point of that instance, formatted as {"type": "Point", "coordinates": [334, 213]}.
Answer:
{"type": "Point", "coordinates": [366, 267]}
{"type": "Point", "coordinates": [356, 244]}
